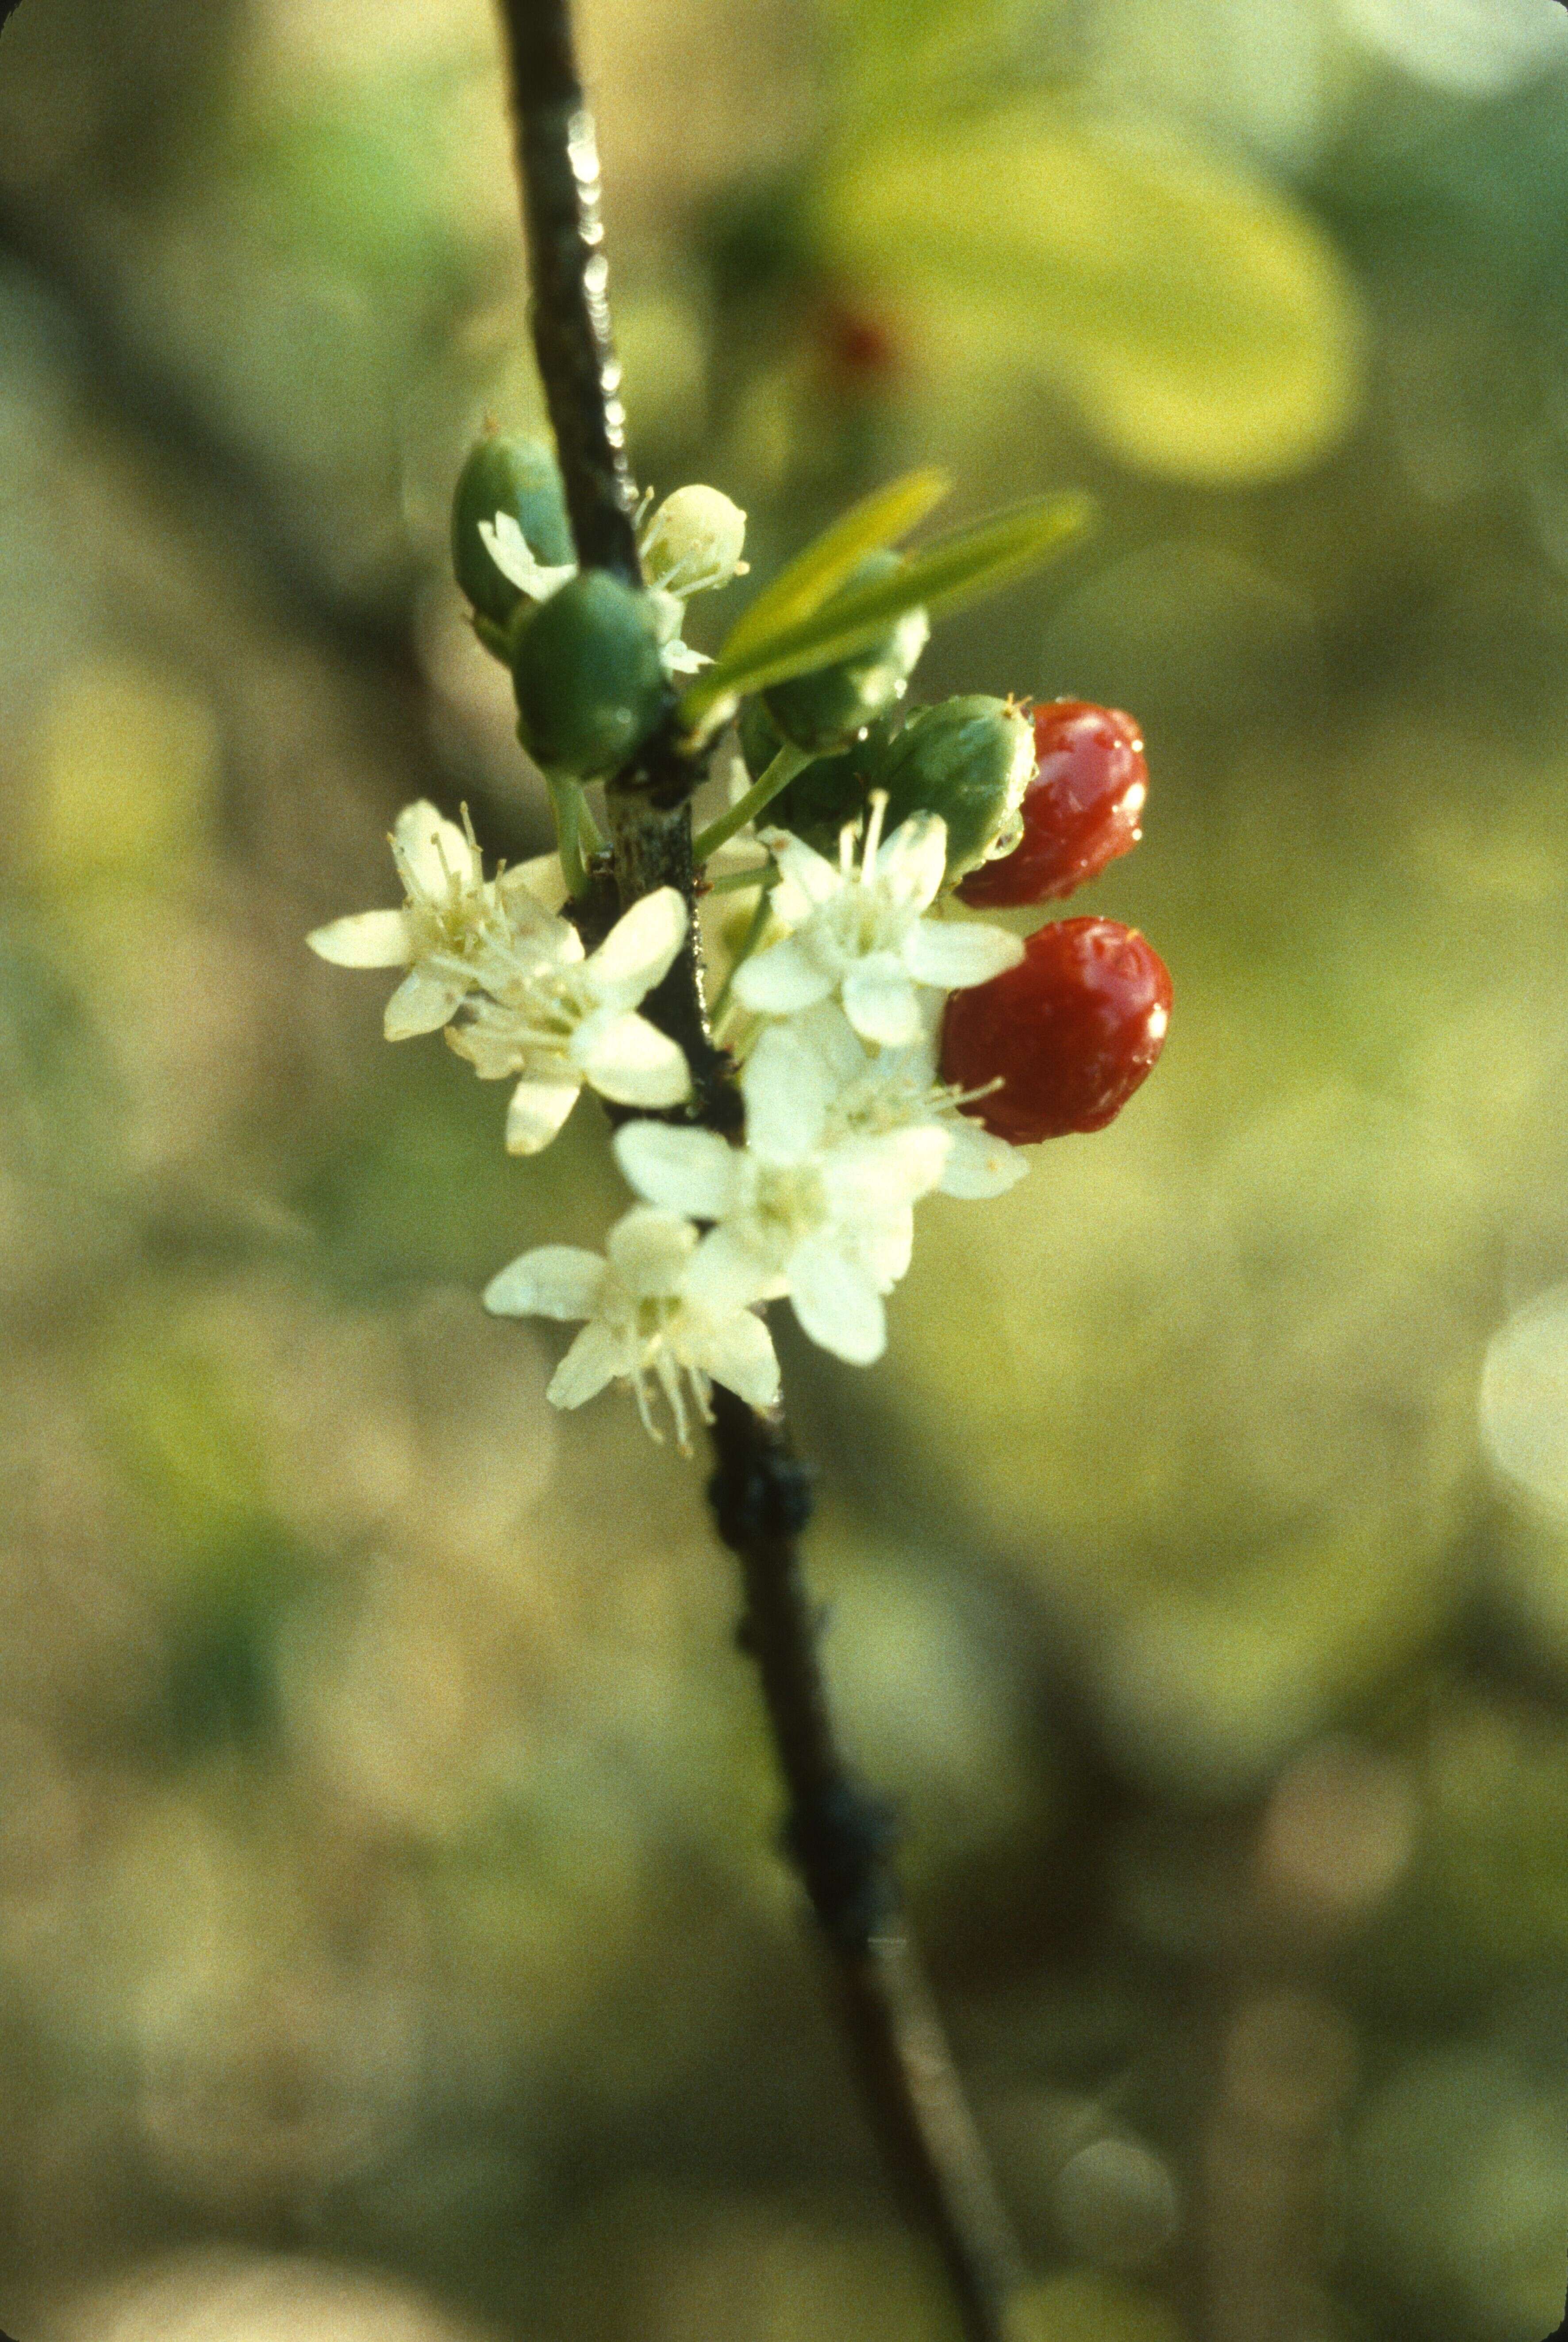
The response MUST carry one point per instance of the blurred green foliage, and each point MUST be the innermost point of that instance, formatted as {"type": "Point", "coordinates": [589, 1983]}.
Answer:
{"type": "Point", "coordinates": [386, 1865]}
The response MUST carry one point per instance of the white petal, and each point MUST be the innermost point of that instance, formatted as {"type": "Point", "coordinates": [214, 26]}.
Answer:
{"type": "Point", "coordinates": [808, 876]}
{"type": "Point", "coordinates": [639, 948]}
{"type": "Point", "coordinates": [510, 550]}
{"type": "Point", "coordinates": [678, 658]}
{"type": "Point", "coordinates": [836, 1304]}
{"type": "Point", "coordinates": [535, 1113]}
{"type": "Point", "coordinates": [979, 1165]}
{"type": "Point", "coordinates": [882, 1247]}
{"type": "Point", "coordinates": [651, 1250]}
{"type": "Point", "coordinates": [738, 1350]}
{"type": "Point", "coordinates": [786, 1086]}
{"type": "Point", "coordinates": [669, 614]}
{"type": "Point", "coordinates": [781, 980]}
{"type": "Point", "coordinates": [910, 865]}
{"type": "Point", "coordinates": [629, 1060]}
{"type": "Point", "coordinates": [364, 939]}
{"type": "Point", "coordinates": [594, 1358]}
{"type": "Point", "coordinates": [952, 954]}
{"type": "Point", "coordinates": [898, 1166]}
{"type": "Point", "coordinates": [690, 1171]}
{"type": "Point", "coordinates": [833, 1037]}
{"type": "Point", "coordinates": [533, 937]}
{"type": "Point", "coordinates": [725, 1275]}
{"type": "Point", "coordinates": [911, 1071]}
{"type": "Point", "coordinates": [422, 1003]}
{"type": "Point", "coordinates": [879, 1000]}
{"type": "Point", "coordinates": [434, 849]}
{"type": "Point", "coordinates": [540, 881]}
{"type": "Point", "coordinates": [553, 1281]}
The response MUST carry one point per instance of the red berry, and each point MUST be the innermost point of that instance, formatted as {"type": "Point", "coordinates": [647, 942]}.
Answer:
{"type": "Point", "coordinates": [1071, 1031]}
{"type": "Point", "coordinates": [1080, 811]}
{"type": "Point", "coordinates": [862, 349]}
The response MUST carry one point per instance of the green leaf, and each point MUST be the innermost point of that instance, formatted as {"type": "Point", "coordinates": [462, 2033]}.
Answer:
{"type": "Point", "coordinates": [878, 520]}
{"type": "Point", "coordinates": [1201, 323]}
{"type": "Point", "coordinates": [938, 578]}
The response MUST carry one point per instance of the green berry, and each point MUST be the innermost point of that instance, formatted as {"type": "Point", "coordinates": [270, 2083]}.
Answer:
{"type": "Point", "coordinates": [968, 760]}
{"type": "Point", "coordinates": [590, 682]}
{"type": "Point", "coordinates": [506, 474]}
{"type": "Point", "coordinates": [830, 791]}
{"type": "Point", "coordinates": [828, 708]}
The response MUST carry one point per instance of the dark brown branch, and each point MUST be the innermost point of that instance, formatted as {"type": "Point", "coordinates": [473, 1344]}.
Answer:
{"type": "Point", "coordinates": [838, 1834]}
{"type": "Point", "coordinates": [558, 158]}
{"type": "Point", "coordinates": [653, 846]}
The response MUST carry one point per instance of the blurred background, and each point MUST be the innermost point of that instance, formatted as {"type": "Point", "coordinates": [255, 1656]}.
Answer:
{"type": "Point", "coordinates": [392, 1942]}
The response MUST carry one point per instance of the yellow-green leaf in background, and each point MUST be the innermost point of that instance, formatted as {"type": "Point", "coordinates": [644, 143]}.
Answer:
{"type": "Point", "coordinates": [1200, 321]}
{"type": "Point", "coordinates": [877, 520]}
{"type": "Point", "coordinates": [940, 577]}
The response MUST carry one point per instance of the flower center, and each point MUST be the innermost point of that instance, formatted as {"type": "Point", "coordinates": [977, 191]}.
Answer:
{"type": "Point", "coordinates": [787, 1202]}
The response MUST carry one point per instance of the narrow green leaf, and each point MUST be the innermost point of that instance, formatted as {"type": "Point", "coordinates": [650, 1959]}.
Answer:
{"type": "Point", "coordinates": [939, 578]}
{"type": "Point", "coordinates": [804, 585]}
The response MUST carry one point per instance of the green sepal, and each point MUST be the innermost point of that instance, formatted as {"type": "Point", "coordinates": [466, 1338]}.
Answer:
{"type": "Point", "coordinates": [589, 679]}
{"type": "Point", "coordinates": [505, 473]}
{"type": "Point", "coordinates": [940, 577]}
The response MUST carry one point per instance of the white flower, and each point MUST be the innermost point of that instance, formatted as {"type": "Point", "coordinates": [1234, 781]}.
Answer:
{"type": "Point", "coordinates": [450, 913]}
{"type": "Point", "coordinates": [642, 1326]}
{"type": "Point", "coordinates": [859, 931]}
{"type": "Point", "coordinates": [874, 1092]}
{"type": "Point", "coordinates": [559, 1018]}
{"type": "Point", "coordinates": [692, 544]}
{"type": "Point", "coordinates": [829, 1223]}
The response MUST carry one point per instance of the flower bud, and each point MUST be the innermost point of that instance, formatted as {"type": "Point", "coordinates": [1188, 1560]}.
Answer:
{"type": "Point", "coordinates": [506, 474]}
{"type": "Point", "coordinates": [829, 707]}
{"type": "Point", "coordinates": [969, 760]}
{"type": "Point", "coordinates": [589, 679]}
{"type": "Point", "coordinates": [694, 542]}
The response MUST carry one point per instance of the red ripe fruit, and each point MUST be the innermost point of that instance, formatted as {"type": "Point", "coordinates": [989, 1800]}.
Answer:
{"type": "Point", "coordinates": [1071, 1031]}
{"type": "Point", "coordinates": [1080, 811]}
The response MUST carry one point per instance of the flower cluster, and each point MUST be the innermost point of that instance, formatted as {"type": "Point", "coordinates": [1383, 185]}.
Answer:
{"type": "Point", "coordinates": [511, 981]}
{"type": "Point", "coordinates": [887, 1047]}
{"type": "Point", "coordinates": [847, 1123]}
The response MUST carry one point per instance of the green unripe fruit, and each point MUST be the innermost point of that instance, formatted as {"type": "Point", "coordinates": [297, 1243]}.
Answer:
{"type": "Point", "coordinates": [827, 708]}
{"type": "Point", "coordinates": [968, 760]}
{"type": "Point", "coordinates": [818, 802]}
{"type": "Point", "coordinates": [590, 682]}
{"type": "Point", "coordinates": [506, 474]}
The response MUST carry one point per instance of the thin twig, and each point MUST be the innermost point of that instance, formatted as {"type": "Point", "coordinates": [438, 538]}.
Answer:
{"type": "Point", "coordinates": [840, 1836]}
{"type": "Point", "coordinates": [838, 1833]}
